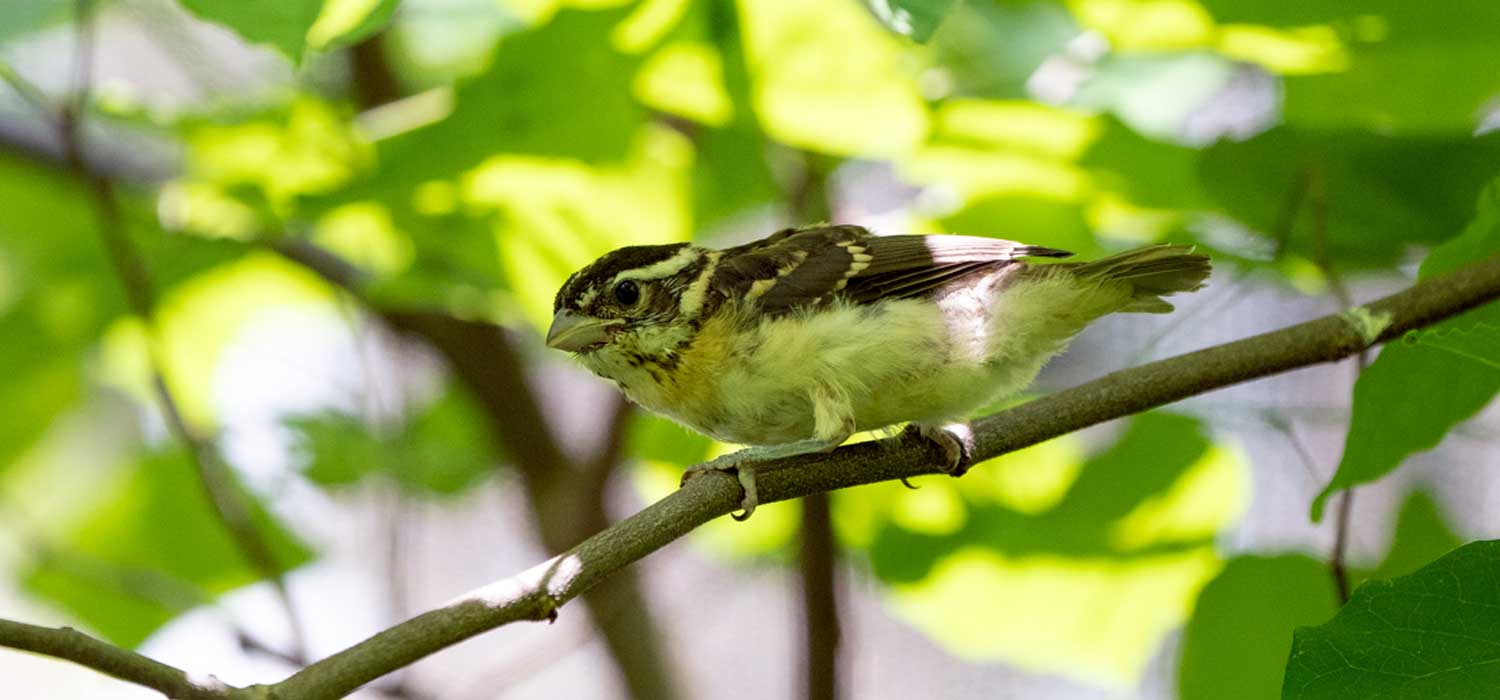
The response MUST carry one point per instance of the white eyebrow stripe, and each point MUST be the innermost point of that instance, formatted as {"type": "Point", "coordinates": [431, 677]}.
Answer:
{"type": "Point", "coordinates": [666, 268]}
{"type": "Point", "coordinates": [692, 299]}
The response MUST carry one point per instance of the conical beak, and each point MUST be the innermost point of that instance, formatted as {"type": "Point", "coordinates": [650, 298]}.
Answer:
{"type": "Point", "coordinates": [573, 332]}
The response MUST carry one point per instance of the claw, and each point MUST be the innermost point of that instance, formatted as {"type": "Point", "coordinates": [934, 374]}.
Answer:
{"type": "Point", "coordinates": [909, 485]}
{"type": "Point", "coordinates": [744, 473]}
{"type": "Point", "coordinates": [957, 443]}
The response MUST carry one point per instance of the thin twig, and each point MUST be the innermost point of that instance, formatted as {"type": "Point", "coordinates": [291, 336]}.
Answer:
{"type": "Point", "coordinates": [220, 488]}
{"type": "Point", "coordinates": [1317, 197]}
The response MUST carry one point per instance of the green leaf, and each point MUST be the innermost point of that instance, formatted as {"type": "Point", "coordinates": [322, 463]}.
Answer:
{"type": "Point", "coordinates": [1412, 395]}
{"type": "Point", "coordinates": [282, 24]}
{"type": "Point", "coordinates": [917, 19]}
{"type": "Point", "coordinates": [1235, 647]}
{"type": "Point", "coordinates": [158, 521]}
{"type": "Point", "coordinates": [561, 89]}
{"type": "Point", "coordinates": [1433, 634]}
{"type": "Point", "coordinates": [1383, 194]}
{"type": "Point", "coordinates": [1422, 534]}
{"type": "Point", "coordinates": [1237, 642]}
{"type": "Point", "coordinates": [1481, 343]}
{"type": "Point", "coordinates": [1408, 69]}
{"type": "Point", "coordinates": [443, 450]}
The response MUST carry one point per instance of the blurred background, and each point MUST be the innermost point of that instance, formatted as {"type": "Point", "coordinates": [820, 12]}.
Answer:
{"type": "Point", "coordinates": [273, 274]}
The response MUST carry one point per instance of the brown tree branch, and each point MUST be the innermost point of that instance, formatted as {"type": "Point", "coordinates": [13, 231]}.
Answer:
{"type": "Point", "coordinates": [537, 593]}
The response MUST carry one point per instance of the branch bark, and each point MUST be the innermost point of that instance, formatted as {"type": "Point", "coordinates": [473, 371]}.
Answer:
{"type": "Point", "coordinates": [537, 593]}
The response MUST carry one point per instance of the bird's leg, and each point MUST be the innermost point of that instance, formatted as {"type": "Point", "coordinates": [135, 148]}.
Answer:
{"type": "Point", "coordinates": [743, 464]}
{"type": "Point", "coordinates": [833, 423]}
{"type": "Point", "coordinates": [956, 441]}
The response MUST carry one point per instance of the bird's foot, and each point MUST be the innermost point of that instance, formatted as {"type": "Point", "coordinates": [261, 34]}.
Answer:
{"type": "Point", "coordinates": [957, 442]}
{"type": "Point", "coordinates": [742, 469]}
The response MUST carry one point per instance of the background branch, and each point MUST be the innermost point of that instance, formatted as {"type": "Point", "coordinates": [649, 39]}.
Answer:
{"type": "Point", "coordinates": [222, 491]}
{"type": "Point", "coordinates": [537, 593]}
{"type": "Point", "coordinates": [72, 645]}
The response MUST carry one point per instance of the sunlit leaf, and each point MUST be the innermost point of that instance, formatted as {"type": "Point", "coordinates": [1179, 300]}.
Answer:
{"type": "Point", "coordinates": [554, 216]}
{"type": "Point", "coordinates": [1432, 634]}
{"type": "Point", "coordinates": [1145, 26]}
{"type": "Point", "coordinates": [197, 319]}
{"type": "Point", "coordinates": [282, 24]}
{"type": "Point", "coordinates": [1134, 523]}
{"type": "Point", "coordinates": [1412, 395]}
{"type": "Point", "coordinates": [344, 22]}
{"type": "Point", "coordinates": [828, 78]}
{"type": "Point", "coordinates": [157, 521]}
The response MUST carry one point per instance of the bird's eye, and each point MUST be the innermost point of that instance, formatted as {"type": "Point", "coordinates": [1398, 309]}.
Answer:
{"type": "Point", "coordinates": [627, 293]}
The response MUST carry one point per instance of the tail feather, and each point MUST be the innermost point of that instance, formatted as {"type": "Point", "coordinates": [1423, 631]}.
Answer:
{"type": "Point", "coordinates": [1151, 273]}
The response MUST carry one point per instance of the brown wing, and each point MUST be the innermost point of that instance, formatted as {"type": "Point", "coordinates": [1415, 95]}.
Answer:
{"type": "Point", "coordinates": [799, 268]}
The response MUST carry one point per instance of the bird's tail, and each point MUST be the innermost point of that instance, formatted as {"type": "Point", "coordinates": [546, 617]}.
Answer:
{"type": "Point", "coordinates": [1148, 274]}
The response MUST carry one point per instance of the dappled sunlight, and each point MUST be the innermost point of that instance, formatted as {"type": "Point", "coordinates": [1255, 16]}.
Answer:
{"type": "Point", "coordinates": [976, 171]}
{"type": "Point", "coordinates": [1029, 481]}
{"type": "Point", "coordinates": [1099, 620]}
{"type": "Point", "coordinates": [1293, 51]}
{"type": "Point", "coordinates": [1017, 125]}
{"type": "Point", "coordinates": [686, 78]}
{"type": "Point", "coordinates": [557, 215]}
{"type": "Point", "coordinates": [364, 234]}
{"type": "Point", "coordinates": [829, 78]}
{"type": "Point", "coordinates": [1208, 498]}
{"type": "Point", "coordinates": [195, 322]}
{"type": "Point", "coordinates": [309, 150]}
{"type": "Point", "coordinates": [1146, 25]}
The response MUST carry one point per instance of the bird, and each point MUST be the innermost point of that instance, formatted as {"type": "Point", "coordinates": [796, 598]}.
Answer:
{"type": "Point", "coordinates": [793, 343]}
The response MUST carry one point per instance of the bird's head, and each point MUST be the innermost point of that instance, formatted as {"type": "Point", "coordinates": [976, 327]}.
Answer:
{"type": "Point", "coordinates": [633, 306]}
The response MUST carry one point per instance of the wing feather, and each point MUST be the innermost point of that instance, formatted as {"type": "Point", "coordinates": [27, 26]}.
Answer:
{"type": "Point", "coordinates": [800, 268]}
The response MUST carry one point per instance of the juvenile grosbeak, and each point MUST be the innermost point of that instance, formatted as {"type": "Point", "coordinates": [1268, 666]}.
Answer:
{"type": "Point", "coordinates": [795, 342]}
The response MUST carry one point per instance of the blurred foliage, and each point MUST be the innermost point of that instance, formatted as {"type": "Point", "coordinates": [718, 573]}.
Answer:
{"type": "Point", "coordinates": [531, 136]}
{"type": "Point", "coordinates": [156, 521]}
